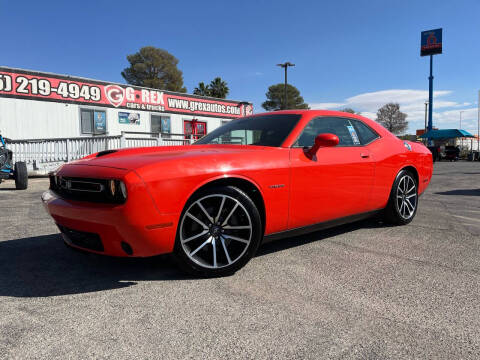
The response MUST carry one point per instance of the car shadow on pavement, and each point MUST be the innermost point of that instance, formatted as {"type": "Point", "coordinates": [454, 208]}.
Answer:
{"type": "Point", "coordinates": [43, 266]}
{"type": "Point", "coordinates": [291, 242]}
{"type": "Point", "coordinates": [465, 192]}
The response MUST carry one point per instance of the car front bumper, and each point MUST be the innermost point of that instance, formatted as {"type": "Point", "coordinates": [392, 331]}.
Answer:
{"type": "Point", "coordinates": [135, 228]}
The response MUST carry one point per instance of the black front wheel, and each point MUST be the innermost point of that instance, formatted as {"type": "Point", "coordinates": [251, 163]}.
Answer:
{"type": "Point", "coordinates": [403, 202]}
{"type": "Point", "coordinates": [21, 176]}
{"type": "Point", "coordinates": [219, 232]}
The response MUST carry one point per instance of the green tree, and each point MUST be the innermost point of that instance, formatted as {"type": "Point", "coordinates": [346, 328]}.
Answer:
{"type": "Point", "coordinates": [202, 89]}
{"type": "Point", "coordinates": [390, 116]}
{"type": "Point", "coordinates": [275, 98]}
{"type": "Point", "coordinates": [154, 68]}
{"type": "Point", "coordinates": [218, 88]}
{"type": "Point", "coordinates": [350, 110]}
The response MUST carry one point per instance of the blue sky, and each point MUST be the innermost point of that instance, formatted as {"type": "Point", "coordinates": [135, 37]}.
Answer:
{"type": "Point", "coordinates": [360, 54]}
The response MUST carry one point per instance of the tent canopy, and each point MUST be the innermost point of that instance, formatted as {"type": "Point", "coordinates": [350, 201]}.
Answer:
{"type": "Point", "coordinates": [446, 134]}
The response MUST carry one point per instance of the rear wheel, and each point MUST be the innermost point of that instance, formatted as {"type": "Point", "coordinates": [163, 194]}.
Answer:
{"type": "Point", "coordinates": [21, 176]}
{"type": "Point", "coordinates": [403, 201]}
{"type": "Point", "coordinates": [219, 232]}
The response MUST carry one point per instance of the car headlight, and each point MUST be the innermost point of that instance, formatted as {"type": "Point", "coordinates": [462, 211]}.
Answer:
{"type": "Point", "coordinates": [117, 190]}
{"type": "Point", "coordinates": [112, 188]}
{"type": "Point", "coordinates": [123, 189]}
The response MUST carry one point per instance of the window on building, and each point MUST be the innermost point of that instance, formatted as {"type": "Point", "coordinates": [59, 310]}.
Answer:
{"type": "Point", "coordinates": [93, 122]}
{"type": "Point", "coordinates": [160, 124]}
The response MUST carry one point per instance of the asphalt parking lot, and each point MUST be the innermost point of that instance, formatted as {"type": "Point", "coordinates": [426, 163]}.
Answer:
{"type": "Point", "coordinates": [365, 290]}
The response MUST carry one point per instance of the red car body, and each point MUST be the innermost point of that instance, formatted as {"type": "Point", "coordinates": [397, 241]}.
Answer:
{"type": "Point", "coordinates": [295, 192]}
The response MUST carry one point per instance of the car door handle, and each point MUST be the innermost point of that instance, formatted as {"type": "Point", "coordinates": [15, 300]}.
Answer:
{"type": "Point", "coordinates": [365, 155]}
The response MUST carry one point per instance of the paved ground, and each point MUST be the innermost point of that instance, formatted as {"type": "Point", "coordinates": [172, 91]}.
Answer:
{"type": "Point", "coordinates": [361, 291]}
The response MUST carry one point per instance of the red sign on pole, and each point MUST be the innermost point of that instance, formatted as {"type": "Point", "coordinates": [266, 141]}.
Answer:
{"type": "Point", "coordinates": [431, 42]}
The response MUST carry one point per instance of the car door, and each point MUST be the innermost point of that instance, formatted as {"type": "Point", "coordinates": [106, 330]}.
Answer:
{"type": "Point", "coordinates": [334, 184]}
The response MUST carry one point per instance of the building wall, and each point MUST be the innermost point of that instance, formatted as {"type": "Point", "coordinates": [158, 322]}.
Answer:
{"type": "Point", "coordinates": [33, 119]}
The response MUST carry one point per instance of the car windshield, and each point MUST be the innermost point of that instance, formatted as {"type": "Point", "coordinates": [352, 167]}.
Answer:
{"type": "Point", "coordinates": [268, 130]}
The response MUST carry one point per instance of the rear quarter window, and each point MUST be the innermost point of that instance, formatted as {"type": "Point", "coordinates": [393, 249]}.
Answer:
{"type": "Point", "coordinates": [365, 133]}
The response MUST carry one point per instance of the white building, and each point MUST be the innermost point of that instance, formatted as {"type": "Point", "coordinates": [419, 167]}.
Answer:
{"type": "Point", "coordinates": [36, 105]}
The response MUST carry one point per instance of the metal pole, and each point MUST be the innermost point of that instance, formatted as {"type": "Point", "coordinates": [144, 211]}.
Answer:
{"type": "Point", "coordinates": [430, 95]}
{"type": "Point", "coordinates": [478, 125]}
{"type": "Point", "coordinates": [425, 130]}
{"type": "Point", "coordinates": [285, 89]}
{"type": "Point", "coordinates": [461, 139]}
{"type": "Point", "coordinates": [285, 66]}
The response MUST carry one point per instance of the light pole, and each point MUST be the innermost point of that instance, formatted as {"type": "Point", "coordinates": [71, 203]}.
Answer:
{"type": "Point", "coordinates": [461, 139]}
{"type": "Point", "coordinates": [478, 126]}
{"type": "Point", "coordinates": [425, 130]}
{"type": "Point", "coordinates": [285, 66]}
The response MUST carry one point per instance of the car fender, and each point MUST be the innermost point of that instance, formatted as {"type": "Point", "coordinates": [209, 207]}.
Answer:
{"type": "Point", "coordinates": [221, 177]}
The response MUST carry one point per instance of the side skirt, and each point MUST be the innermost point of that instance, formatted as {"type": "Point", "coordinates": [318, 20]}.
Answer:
{"type": "Point", "coordinates": [319, 226]}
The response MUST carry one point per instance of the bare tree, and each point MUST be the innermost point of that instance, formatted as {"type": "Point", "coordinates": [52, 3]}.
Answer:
{"type": "Point", "coordinates": [390, 116]}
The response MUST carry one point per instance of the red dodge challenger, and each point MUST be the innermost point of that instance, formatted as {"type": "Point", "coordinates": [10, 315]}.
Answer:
{"type": "Point", "coordinates": [261, 177]}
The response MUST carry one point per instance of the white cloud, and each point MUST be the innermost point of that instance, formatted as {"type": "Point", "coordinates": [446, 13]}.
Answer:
{"type": "Point", "coordinates": [325, 106]}
{"type": "Point", "coordinates": [412, 102]}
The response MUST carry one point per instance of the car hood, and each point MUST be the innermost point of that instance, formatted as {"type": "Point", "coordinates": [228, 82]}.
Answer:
{"type": "Point", "coordinates": [135, 158]}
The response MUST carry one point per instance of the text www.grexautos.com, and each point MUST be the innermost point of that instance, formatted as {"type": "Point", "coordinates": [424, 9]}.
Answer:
{"type": "Point", "coordinates": [203, 106]}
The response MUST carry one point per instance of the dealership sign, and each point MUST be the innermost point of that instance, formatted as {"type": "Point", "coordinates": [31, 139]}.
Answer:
{"type": "Point", "coordinates": [30, 85]}
{"type": "Point", "coordinates": [431, 42]}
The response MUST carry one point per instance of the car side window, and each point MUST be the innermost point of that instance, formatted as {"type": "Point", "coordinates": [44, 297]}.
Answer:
{"type": "Point", "coordinates": [341, 127]}
{"type": "Point", "coordinates": [365, 134]}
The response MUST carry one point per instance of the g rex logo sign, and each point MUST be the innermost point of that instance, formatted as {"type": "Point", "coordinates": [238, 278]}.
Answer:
{"type": "Point", "coordinates": [142, 99]}
{"type": "Point", "coordinates": [114, 94]}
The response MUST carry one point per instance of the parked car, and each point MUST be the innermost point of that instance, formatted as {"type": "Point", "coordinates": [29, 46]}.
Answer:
{"type": "Point", "coordinates": [451, 153]}
{"type": "Point", "coordinates": [213, 203]}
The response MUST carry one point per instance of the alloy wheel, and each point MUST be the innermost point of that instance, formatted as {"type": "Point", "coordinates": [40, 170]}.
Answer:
{"type": "Point", "coordinates": [215, 231]}
{"type": "Point", "coordinates": [406, 197]}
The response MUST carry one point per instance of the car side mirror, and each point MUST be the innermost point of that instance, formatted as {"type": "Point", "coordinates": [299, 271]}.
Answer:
{"type": "Point", "coordinates": [322, 140]}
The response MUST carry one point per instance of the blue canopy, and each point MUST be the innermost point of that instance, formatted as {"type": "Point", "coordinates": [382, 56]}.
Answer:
{"type": "Point", "coordinates": [446, 134]}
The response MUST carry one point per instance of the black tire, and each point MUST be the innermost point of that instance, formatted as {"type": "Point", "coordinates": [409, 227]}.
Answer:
{"type": "Point", "coordinates": [231, 228]}
{"type": "Point", "coordinates": [21, 176]}
{"type": "Point", "coordinates": [403, 197]}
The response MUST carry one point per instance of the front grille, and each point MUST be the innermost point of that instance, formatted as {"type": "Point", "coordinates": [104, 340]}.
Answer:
{"type": "Point", "coordinates": [84, 189]}
{"type": "Point", "coordinates": [83, 239]}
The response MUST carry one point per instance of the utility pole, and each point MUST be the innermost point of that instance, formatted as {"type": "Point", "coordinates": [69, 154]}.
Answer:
{"type": "Point", "coordinates": [478, 126]}
{"type": "Point", "coordinates": [425, 130]}
{"type": "Point", "coordinates": [285, 66]}
{"type": "Point", "coordinates": [430, 95]}
{"type": "Point", "coordinates": [461, 139]}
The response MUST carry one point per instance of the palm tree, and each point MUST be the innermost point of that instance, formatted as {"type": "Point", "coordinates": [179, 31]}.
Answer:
{"type": "Point", "coordinates": [202, 90]}
{"type": "Point", "coordinates": [218, 88]}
